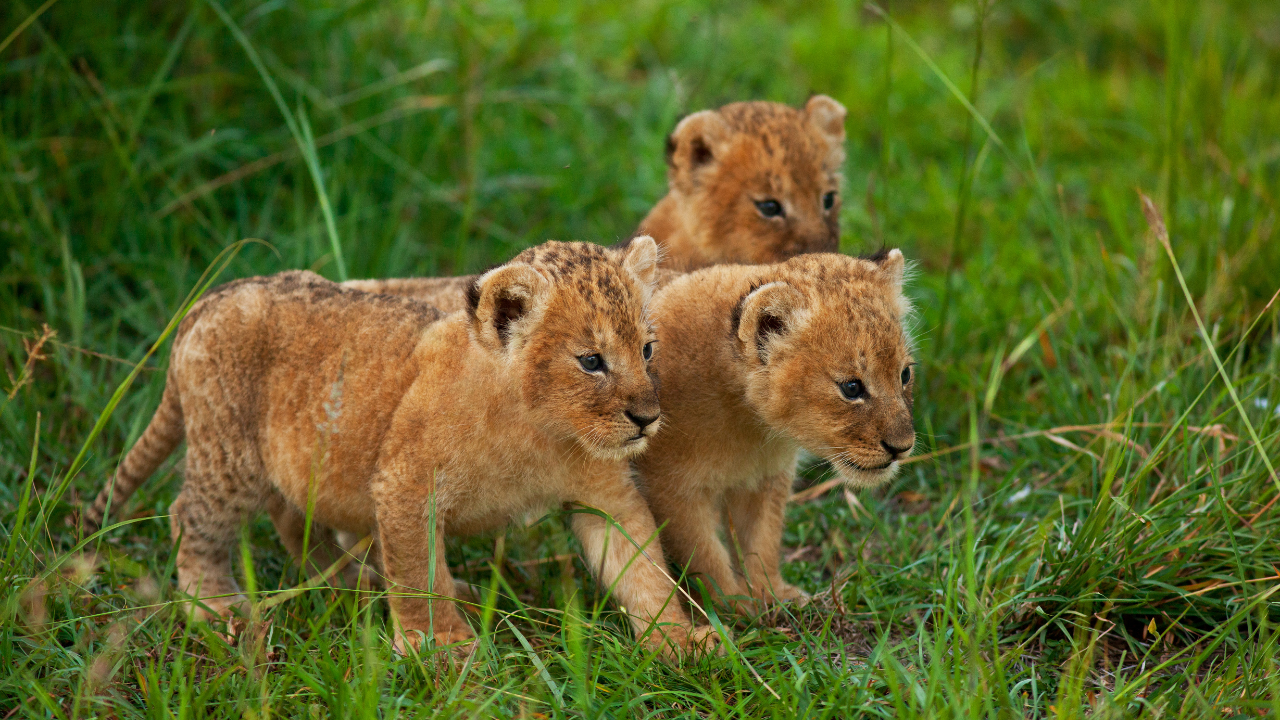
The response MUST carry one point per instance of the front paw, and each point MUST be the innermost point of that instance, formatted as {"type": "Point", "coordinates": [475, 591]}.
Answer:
{"type": "Point", "coordinates": [677, 642]}
{"type": "Point", "coordinates": [783, 592]}
{"type": "Point", "coordinates": [457, 640]}
{"type": "Point", "coordinates": [762, 597]}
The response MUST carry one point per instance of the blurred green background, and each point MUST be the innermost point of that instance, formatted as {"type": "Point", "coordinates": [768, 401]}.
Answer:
{"type": "Point", "coordinates": [1001, 145]}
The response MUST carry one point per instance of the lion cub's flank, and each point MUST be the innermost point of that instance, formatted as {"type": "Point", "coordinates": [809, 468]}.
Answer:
{"type": "Point", "coordinates": [291, 389]}
{"type": "Point", "coordinates": [757, 362]}
{"type": "Point", "coordinates": [751, 182]}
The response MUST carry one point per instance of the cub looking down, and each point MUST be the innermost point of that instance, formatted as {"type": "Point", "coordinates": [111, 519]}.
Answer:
{"type": "Point", "coordinates": [757, 362]}
{"type": "Point", "coordinates": [752, 182]}
{"type": "Point", "coordinates": [389, 420]}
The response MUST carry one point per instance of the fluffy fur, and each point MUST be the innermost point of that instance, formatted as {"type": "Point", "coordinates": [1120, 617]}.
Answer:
{"type": "Point", "coordinates": [389, 419]}
{"type": "Point", "coordinates": [720, 164]}
{"type": "Point", "coordinates": [750, 361]}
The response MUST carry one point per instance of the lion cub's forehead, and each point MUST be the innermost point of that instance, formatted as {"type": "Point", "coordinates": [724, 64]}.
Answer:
{"type": "Point", "coordinates": [779, 131]}
{"type": "Point", "coordinates": [855, 307]}
{"type": "Point", "coordinates": [591, 287]}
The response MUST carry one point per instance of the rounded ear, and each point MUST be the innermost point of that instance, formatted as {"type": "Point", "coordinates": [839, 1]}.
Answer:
{"type": "Point", "coordinates": [767, 314]}
{"type": "Point", "coordinates": [696, 142]}
{"type": "Point", "coordinates": [826, 115]}
{"type": "Point", "coordinates": [642, 259]}
{"type": "Point", "coordinates": [504, 302]}
{"type": "Point", "coordinates": [893, 268]}
{"type": "Point", "coordinates": [893, 265]}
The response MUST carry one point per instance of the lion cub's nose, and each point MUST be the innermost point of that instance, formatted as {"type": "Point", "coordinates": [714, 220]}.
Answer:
{"type": "Point", "coordinates": [641, 421]}
{"type": "Point", "coordinates": [896, 450]}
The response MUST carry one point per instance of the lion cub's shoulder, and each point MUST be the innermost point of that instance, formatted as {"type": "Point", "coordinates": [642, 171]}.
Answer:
{"type": "Point", "coordinates": [752, 182]}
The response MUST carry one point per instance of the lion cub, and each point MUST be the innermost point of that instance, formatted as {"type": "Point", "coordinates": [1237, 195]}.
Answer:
{"type": "Point", "coordinates": [751, 182]}
{"type": "Point", "coordinates": [394, 421]}
{"type": "Point", "coordinates": [757, 362]}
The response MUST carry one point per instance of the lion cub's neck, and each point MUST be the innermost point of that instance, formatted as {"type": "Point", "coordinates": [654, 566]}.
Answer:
{"type": "Point", "coordinates": [713, 433]}
{"type": "Point", "coordinates": [674, 222]}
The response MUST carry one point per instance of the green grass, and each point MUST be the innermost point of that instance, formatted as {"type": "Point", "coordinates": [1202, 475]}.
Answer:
{"type": "Point", "coordinates": [1098, 540]}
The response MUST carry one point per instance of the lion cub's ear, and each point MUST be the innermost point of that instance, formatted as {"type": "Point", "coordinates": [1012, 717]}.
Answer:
{"type": "Point", "coordinates": [767, 315]}
{"type": "Point", "coordinates": [504, 302]}
{"type": "Point", "coordinates": [826, 115]}
{"type": "Point", "coordinates": [893, 266]}
{"type": "Point", "coordinates": [696, 143]}
{"type": "Point", "coordinates": [642, 259]}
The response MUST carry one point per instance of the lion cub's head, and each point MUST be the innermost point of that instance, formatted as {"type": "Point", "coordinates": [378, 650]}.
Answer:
{"type": "Point", "coordinates": [828, 360]}
{"type": "Point", "coordinates": [756, 182]}
{"type": "Point", "coordinates": [571, 320]}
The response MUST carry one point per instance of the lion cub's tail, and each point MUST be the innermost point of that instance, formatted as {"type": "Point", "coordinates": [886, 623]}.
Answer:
{"type": "Point", "coordinates": [158, 441]}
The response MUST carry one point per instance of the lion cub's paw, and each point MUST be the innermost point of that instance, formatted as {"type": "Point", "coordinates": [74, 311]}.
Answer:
{"type": "Point", "coordinates": [677, 642]}
{"type": "Point", "coordinates": [459, 642]}
{"type": "Point", "coordinates": [785, 593]}
{"type": "Point", "coordinates": [762, 599]}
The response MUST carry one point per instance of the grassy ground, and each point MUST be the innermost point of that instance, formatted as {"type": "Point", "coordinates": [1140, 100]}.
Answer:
{"type": "Point", "coordinates": [1092, 531]}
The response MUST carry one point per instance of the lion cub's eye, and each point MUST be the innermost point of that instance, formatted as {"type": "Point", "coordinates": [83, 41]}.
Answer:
{"type": "Point", "coordinates": [852, 389]}
{"type": "Point", "coordinates": [769, 208]}
{"type": "Point", "coordinates": [591, 363]}
{"type": "Point", "coordinates": [906, 375]}
{"type": "Point", "coordinates": [828, 201]}
{"type": "Point", "coordinates": [647, 351]}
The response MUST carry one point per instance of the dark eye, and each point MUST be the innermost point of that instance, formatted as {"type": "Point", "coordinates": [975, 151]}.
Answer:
{"type": "Point", "coordinates": [852, 389]}
{"type": "Point", "coordinates": [828, 201]}
{"type": "Point", "coordinates": [591, 363]}
{"type": "Point", "coordinates": [906, 375]}
{"type": "Point", "coordinates": [769, 208]}
{"type": "Point", "coordinates": [647, 351]}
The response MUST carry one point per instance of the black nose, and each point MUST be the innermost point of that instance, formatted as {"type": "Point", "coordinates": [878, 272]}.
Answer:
{"type": "Point", "coordinates": [641, 421]}
{"type": "Point", "coordinates": [892, 450]}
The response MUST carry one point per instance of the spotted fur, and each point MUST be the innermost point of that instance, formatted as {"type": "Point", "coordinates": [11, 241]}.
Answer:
{"type": "Point", "coordinates": [750, 359]}
{"type": "Point", "coordinates": [719, 163]}
{"type": "Point", "coordinates": [393, 420]}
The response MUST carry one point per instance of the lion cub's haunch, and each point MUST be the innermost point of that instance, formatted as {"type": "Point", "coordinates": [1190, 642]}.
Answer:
{"type": "Point", "coordinates": [394, 421]}
{"type": "Point", "coordinates": [756, 362]}
{"type": "Point", "coordinates": [751, 182]}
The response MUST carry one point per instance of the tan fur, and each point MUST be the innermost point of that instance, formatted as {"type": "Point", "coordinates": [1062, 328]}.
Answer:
{"type": "Point", "coordinates": [719, 164]}
{"type": "Point", "coordinates": [392, 420]}
{"type": "Point", "coordinates": [749, 359]}
{"type": "Point", "coordinates": [446, 294]}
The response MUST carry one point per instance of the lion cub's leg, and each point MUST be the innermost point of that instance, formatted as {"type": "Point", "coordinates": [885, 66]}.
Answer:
{"type": "Point", "coordinates": [421, 596]}
{"type": "Point", "coordinates": [205, 522]}
{"type": "Point", "coordinates": [690, 539]}
{"type": "Point", "coordinates": [323, 549]}
{"type": "Point", "coordinates": [640, 582]}
{"type": "Point", "coordinates": [757, 521]}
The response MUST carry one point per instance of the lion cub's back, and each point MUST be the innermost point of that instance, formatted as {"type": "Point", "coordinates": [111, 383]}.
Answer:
{"type": "Point", "coordinates": [276, 342]}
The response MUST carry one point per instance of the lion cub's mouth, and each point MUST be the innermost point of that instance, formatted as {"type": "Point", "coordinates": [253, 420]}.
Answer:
{"type": "Point", "coordinates": [862, 468]}
{"type": "Point", "coordinates": [859, 476]}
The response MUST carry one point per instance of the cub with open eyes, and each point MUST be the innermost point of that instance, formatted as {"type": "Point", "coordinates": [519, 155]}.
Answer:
{"type": "Point", "coordinates": [754, 363]}
{"type": "Point", "coordinates": [751, 182]}
{"type": "Point", "coordinates": [388, 419]}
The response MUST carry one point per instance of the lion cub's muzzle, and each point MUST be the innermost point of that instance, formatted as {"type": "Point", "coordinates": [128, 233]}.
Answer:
{"type": "Point", "coordinates": [646, 423]}
{"type": "Point", "coordinates": [643, 421]}
{"type": "Point", "coordinates": [871, 469]}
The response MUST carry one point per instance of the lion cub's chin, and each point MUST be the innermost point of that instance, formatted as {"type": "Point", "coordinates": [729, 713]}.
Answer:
{"type": "Point", "coordinates": [859, 478]}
